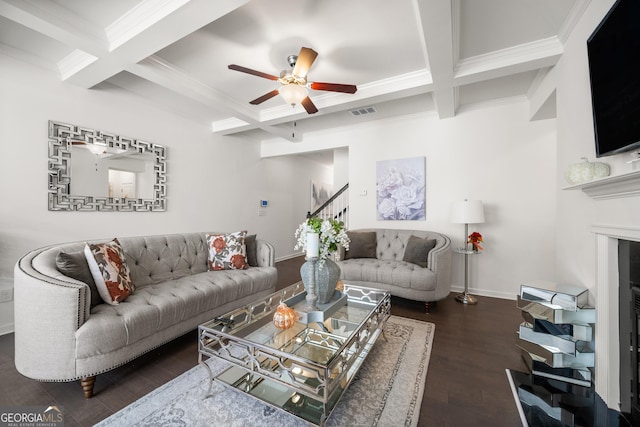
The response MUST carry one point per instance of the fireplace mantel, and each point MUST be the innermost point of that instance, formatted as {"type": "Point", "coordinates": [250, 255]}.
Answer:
{"type": "Point", "coordinates": [611, 187]}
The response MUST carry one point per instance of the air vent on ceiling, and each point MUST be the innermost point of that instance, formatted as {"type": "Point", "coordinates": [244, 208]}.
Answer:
{"type": "Point", "coordinates": [363, 111]}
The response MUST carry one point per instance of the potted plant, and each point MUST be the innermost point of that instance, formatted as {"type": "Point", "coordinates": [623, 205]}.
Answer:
{"type": "Point", "coordinates": [475, 239]}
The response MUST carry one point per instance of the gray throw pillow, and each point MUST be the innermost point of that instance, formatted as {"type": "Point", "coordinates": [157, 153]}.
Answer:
{"type": "Point", "coordinates": [417, 250]}
{"type": "Point", "coordinates": [75, 266]}
{"type": "Point", "coordinates": [252, 250]}
{"type": "Point", "coordinates": [363, 244]}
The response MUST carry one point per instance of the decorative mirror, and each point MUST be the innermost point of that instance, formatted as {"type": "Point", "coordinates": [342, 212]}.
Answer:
{"type": "Point", "coordinates": [90, 170]}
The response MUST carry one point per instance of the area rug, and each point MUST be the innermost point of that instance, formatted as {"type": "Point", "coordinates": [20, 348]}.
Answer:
{"type": "Point", "coordinates": [387, 391]}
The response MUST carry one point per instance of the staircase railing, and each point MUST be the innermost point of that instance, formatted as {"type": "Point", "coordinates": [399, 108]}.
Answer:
{"type": "Point", "coordinates": [337, 207]}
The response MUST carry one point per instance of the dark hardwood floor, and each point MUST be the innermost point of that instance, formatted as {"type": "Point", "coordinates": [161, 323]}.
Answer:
{"type": "Point", "coordinates": [466, 381]}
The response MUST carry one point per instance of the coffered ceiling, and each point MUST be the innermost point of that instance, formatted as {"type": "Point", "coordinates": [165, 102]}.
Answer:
{"type": "Point", "coordinates": [405, 56]}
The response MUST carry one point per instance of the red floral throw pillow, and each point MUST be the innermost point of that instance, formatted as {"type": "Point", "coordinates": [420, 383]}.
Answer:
{"type": "Point", "coordinates": [110, 271]}
{"type": "Point", "coordinates": [227, 251]}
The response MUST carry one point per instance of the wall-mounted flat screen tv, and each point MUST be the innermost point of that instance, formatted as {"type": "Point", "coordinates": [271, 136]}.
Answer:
{"type": "Point", "coordinates": [614, 70]}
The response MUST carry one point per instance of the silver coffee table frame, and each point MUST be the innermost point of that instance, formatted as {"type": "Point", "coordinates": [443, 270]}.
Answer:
{"type": "Point", "coordinates": [305, 370]}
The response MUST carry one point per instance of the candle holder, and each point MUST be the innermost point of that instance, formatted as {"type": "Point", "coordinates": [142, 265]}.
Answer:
{"type": "Point", "coordinates": [312, 297]}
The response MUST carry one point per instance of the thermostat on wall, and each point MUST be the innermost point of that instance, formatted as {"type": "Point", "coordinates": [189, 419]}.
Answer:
{"type": "Point", "coordinates": [264, 203]}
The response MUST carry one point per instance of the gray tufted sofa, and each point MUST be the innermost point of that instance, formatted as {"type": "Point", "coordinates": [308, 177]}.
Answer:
{"type": "Point", "coordinates": [60, 337]}
{"type": "Point", "coordinates": [388, 271]}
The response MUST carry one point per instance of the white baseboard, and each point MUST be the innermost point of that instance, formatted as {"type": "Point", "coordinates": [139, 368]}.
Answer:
{"type": "Point", "coordinates": [485, 293]}
{"type": "Point", "coordinates": [9, 328]}
{"type": "Point", "coordinates": [286, 257]}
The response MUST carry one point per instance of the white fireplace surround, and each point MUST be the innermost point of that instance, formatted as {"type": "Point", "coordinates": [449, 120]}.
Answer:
{"type": "Point", "coordinates": [607, 370]}
{"type": "Point", "coordinates": [607, 331]}
{"type": "Point", "coordinates": [607, 373]}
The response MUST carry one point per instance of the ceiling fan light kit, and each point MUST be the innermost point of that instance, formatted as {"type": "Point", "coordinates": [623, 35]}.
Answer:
{"type": "Point", "coordinates": [293, 94]}
{"type": "Point", "coordinates": [294, 88]}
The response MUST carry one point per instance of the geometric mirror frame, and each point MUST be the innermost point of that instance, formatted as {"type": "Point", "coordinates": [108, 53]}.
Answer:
{"type": "Point", "coordinates": [63, 137]}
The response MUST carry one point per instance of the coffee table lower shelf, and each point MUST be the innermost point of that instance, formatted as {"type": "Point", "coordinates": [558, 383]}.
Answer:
{"type": "Point", "coordinates": [289, 398]}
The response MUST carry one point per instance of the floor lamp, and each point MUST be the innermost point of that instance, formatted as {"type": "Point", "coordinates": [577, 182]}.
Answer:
{"type": "Point", "coordinates": [467, 212]}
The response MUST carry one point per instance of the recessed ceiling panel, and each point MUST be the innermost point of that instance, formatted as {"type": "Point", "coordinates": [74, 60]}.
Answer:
{"type": "Point", "coordinates": [503, 87]}
{"type": "Point", "coordinates": [164, 98]}
{"type": "Point", "coordinates": [101, 13]}
{"type": "Point", "coordinates": [416, 104]}
{"type": "Point", "coordinates": [357, 41]}
{"type": "Point", "coordinates": [491, 25]}
{"type": "Point", "coordinates": [31, 42]}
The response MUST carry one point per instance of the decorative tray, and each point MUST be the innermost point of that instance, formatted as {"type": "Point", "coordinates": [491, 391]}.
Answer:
{"type": "Point", "coordinates": [299, 304]}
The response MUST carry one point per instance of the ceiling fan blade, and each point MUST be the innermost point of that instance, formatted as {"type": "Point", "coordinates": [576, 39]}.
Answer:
{"type": "Point", "coordinates": [309, 105]}
{"type": "Point", "coordinates": [333, 87]}
{"type": "Point", "coordinates": [253, 72]}
{"type": "Point", "coordinates": [304, 61]}
{"type": "Point", "coordinates": [264, 97]}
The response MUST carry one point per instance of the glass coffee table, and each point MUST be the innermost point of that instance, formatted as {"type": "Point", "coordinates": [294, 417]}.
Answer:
{"type": "Point", "coordinates": [303, 370]}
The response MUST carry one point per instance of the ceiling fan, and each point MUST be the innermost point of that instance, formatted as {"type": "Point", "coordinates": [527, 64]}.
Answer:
{"type": "Point", "coordinates": [294, 86]}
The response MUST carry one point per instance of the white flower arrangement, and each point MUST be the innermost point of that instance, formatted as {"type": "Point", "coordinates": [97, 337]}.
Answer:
{"type": "Point", "coordinates": [331, 232]}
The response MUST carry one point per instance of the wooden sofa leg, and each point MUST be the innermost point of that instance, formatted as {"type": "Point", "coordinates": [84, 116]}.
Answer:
{"type": "Point", "coordinates": [87, 386]}
{"type": "Point", "coordinates": [428, 306]}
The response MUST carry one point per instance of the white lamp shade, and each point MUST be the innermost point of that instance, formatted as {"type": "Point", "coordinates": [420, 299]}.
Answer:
{"type": "Point", "coordinates": [292, 93]}
{"type": "Point", "coordinates": [467, 212]}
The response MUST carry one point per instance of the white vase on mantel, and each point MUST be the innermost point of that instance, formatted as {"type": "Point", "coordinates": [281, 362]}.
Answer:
{"type": "Point", "coordinates": [586, 171]}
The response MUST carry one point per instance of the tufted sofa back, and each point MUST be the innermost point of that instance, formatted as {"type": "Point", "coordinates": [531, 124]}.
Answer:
{"type": "Point", "coordinates": [156, 259]}
{"type": "Point", "coordinates": [151, 259]}
{"type": "Point", "coordinates": [391, 243]}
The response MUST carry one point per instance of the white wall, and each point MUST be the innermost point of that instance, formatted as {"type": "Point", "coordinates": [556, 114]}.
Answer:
{"type": "Point", "coordinates": [491, 153]}
{"type": "Point", "coordinates": [287, 187]}
{"type": "Point", "coordinates": [576, 211]}
{"type": "Point", "coordinates": [214, 183]}
{"type": "Point", "coordinates": [340, 167]}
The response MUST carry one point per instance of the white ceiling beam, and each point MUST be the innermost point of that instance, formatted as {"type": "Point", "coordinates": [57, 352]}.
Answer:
{"type": "Point", "coordinates": [436, 22]}
{"type": "Point", "coordinates": [379, 91]}
{"type": "Point", "coordinates": [27, 57]}
{"type": "Point", "coordinates": [141, 18]}
{"type": "Point", "coordinates": [166, 75]}
{"type": "Point", "coordinates": [517, 59]}
{"type": "Point", "coordinates": [147, 29]}
{"type": "Point", "coordinates": [578, 9]}
{"type": "Point", "coordinates": [99, 54]}
{"type": "Point", "coordinates": [446, 101]}
{"type": "Point", "coordinates": [526, 57]}
{"type": "Point", "coordinates": [542, 95]}
{"type": "Point", "coordinates": [48, 19]}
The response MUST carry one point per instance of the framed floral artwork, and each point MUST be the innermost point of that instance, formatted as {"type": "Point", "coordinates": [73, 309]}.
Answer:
{"type": "Point", "coordinates": [400, 189]}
